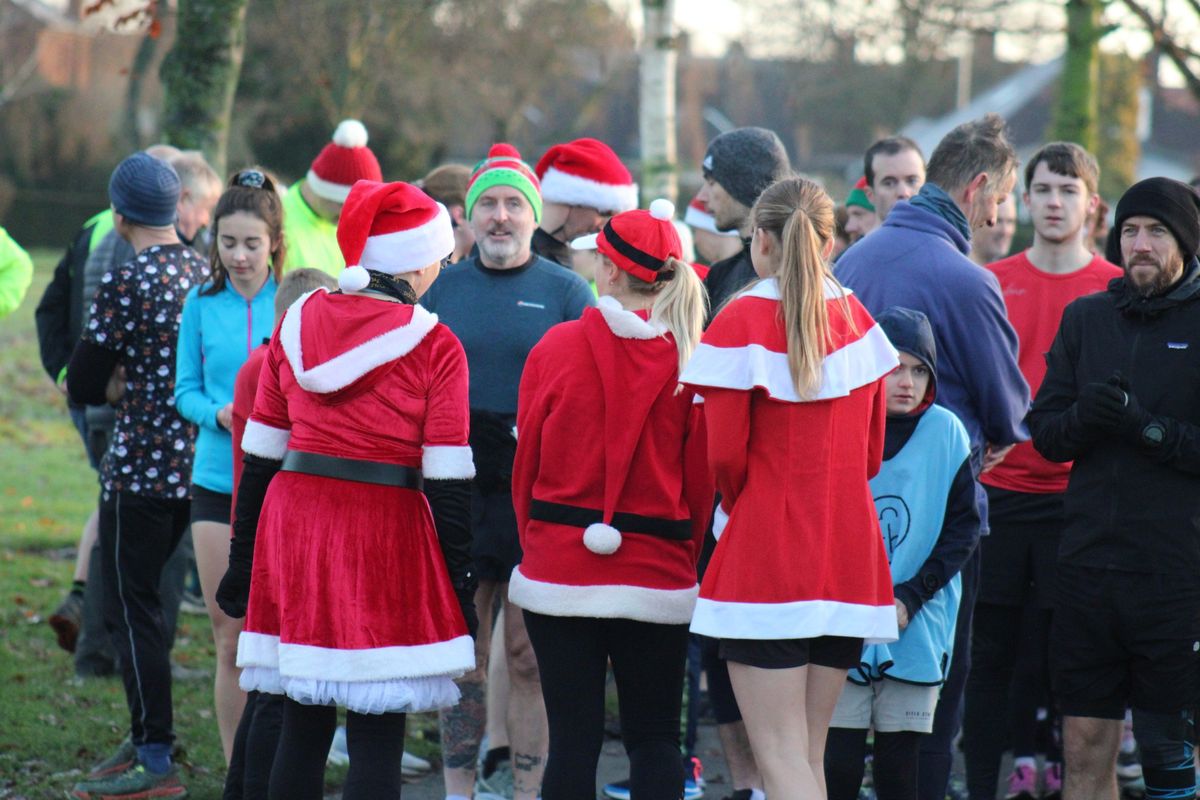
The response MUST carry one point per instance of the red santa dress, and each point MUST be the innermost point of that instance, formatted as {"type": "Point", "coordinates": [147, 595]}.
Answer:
{"type": "Point", "coordinates": [350, 600]}
{"type": "Point", "coordinates": [610, 484]}
{"type": "Point", "coordinates": [799, 553]}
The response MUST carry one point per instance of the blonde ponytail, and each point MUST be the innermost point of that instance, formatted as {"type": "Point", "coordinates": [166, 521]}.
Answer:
{"type": "Point", "coordinates": [682, 305]}
{"type": "Point", "coordinates": [799, 214]}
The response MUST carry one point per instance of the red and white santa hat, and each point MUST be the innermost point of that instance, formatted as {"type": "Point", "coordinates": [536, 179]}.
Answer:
{"type": "Point", "coordinates": [699, 217]}
{"type": "Point", "coordinates": [640, 242]}
{"type": "Point", "coordinates": [586, 172]}
{"type": "Point", "coordinates": [391, 228]}
{"type": "Point", "coordinates": [343, 161]}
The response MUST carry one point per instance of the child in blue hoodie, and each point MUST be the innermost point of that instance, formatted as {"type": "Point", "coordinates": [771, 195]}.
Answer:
{"type": "Point", "coordinates": [925, 496]}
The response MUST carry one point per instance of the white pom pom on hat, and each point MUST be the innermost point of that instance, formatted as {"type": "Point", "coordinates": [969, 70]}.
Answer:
{"type": "Point", "coordinates": [662, 208]}
{"type": "Point", "coordinates": [601, 539]}
{"type": "Point", "coordinates": [350, 133]}
{"type": "Point", "coordinates": [353, 279]}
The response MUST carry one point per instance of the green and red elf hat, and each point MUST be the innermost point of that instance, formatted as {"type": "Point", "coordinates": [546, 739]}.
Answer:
{"type": "Point", "coordinates": [504, 167]}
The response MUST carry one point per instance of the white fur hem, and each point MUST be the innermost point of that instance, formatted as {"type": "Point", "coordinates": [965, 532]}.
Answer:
{"type": "Point", "coordinates": [802, 619]}
{"type": "Point", "coordinates": [337, 192]}
{"type": "Point", "coordinates": [264, 441]}
{"type": "Point", "coordinates": [666, 606]}
{"type": "Point", "coordinates": [572, 190]}
{"type": "Point", "coordinates": [403, 695]}
{"type": "Point", "coordinates": [342, 370]}
{"type": "Point", "coordinates": [626, 324]}
{"type": "Point", "coordinates": [447, 462]}
{"type": "Point", "coordinates": [451, 658]}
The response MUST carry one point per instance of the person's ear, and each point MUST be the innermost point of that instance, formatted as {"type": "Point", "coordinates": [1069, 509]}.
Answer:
{"type": "Point", "coordinates": [827, 249]}
{"type": "Point", "coordinates": [870, 194]}
{"type": "Point", "coordinates": [975, 186]}
{"type": "Point", "coordinates": [1093, 203]}
{"type": "Point", "coordinates": [458, 214]}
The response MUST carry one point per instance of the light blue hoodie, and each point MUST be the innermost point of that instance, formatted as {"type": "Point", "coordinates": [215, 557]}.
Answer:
{"type": "Point", "coordinates": [216, 335]}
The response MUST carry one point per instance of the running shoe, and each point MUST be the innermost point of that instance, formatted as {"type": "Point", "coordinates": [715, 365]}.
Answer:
{"type": "Point", "coordinates": [135, 782]}
{"type": "Point", "coordinates": [1022, 784]}
{"type": "Point", "coordinates": [67, 619]}
{"type": "Point", "coordinates": [123, 759]}
{"type": "Point", "coordinates": [693, 779]}
{"type": "Point", "coordinates": [1129, 765]}
{"type": "Point", "coordinates": [1052, 780]}
{"type": "Point", "coordinates": [498, 785]}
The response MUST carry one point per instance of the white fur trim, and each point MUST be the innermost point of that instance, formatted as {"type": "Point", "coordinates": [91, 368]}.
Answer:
{"type": "Point", "coordinates": [342, 370]}
{"type": "Point", "coordinates": [703, 221]}
{"type": "Point", "coordinates": [768, 289]}
{"type": "Point", "coordinates": [353, 279]}
{"type": "Point", "coordinates": [611, 601]}
{"type": "Point", "coordinates": [601, 539]}
{"type": "Point", "coordinates": [753, 366]}
{"type": "Point", "coordinates": [626, 324]}
{"type": "Point", "coordinates": [452, 657]}
{"type": "Point", "coordinates": [572, 190]}
{"type": "Point", "coordinates": [662, 208]}
{"type": "Point", "coordinates": [402, 695]}
{"type": "Point", "coordinates": [350, 133]}
{"type": "Point", "coordinates": [337, 192]}
{"type": "Point", "coordinates": [802, 619]}
{"type": "Point", "coordinates": [264, 441]}
{"type": "Point", "coordinates": [410, 250]}
{"type": "Point", "coordinates": [447, 462]}
{"type": "Point", "coordinates": [720, 520]}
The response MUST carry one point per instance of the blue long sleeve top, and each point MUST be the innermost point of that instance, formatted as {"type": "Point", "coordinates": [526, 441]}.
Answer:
{"type": "Point", "coordinates": [216, 335]}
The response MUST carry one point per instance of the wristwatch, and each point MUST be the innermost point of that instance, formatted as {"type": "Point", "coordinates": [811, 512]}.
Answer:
{"type": "Point", "coordinates": [1153, 434]}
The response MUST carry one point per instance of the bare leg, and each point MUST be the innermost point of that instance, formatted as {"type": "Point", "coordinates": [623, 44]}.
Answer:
{"type": "Point", "coordinates": [824, 688]}
{"type": "Point", "coordinates": [528, 734]}
{"type": "Point", "coordinates": [91, 531]}
{"type": "Point", "coordinates": [462, 726]}
{"type": "Point", "coordinates": [497, 689]}
{"type": "Point", "coordinates": [774, 709]}
{"type": "Point", "coordinates": [735, 746]}
{"type": "Point", "coordinates": [1090, 756]}
{"type": "Point", "coordinates": [210, 540]}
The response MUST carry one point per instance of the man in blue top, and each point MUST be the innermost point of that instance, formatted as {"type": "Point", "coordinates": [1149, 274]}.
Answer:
{"type": "Point", "coordinates": [918, 259]}
{"type": "Point", "coordinates": [499, 303]}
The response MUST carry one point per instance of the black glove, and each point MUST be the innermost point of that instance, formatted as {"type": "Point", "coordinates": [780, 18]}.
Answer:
{"type": "Point", "coordinates": [1101, 406]}
{"type": "Point", "coordinates": [494, 448]}
{"type": "Point", "coordinates": [1134, 418]}
{"type": "Point", "coordinates": [450, 502]}
{"type": "Point", "coordinates": [233, 594]}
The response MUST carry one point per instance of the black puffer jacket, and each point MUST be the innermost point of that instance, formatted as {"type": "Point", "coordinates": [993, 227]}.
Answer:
{"type": "Point", "coordinates": [1133, 502]}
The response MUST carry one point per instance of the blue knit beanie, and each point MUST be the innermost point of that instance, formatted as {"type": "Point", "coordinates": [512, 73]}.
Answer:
{"type": "Point", "coordinates": [145, 191]}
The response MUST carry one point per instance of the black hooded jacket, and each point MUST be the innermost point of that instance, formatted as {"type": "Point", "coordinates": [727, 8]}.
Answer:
{"type": "Point", "coordinates": [1133, 501]}
{"type": "Point", "coordinates": [910, 332]}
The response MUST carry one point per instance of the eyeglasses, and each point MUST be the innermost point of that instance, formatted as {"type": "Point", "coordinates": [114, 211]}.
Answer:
{"type": "Point", "coordinates": [251, 179]}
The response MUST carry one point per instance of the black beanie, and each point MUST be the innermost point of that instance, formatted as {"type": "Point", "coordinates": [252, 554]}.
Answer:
{"type": "Point", "coordinates": [1172, 203]}
{"type": "Point", "coordinates": [746, 161]}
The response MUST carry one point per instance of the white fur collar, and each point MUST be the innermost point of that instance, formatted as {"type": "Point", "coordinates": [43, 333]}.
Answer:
{"type": "Point", "coordinates": [627, 324]}
{"type": "Point", "coordinates": [342, 370]}
{"type": "Point", "coordinates": [768, 289]}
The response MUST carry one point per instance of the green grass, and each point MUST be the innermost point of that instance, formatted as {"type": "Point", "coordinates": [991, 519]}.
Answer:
{"type": "Point", "coordinates": [53, 726]}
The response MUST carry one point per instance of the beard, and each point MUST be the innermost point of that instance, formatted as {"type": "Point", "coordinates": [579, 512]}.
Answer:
{"type": "Point", "coordinates": [1158, 283]}
{"type": "Point", "coordinates": [499, 252]}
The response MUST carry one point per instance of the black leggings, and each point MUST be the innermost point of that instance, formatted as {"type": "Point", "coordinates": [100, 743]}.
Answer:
{"type": "Point", "coordinates": [254, 747]}
{"type": "Point", "coordinates": [648, 665]}
{"type": "Point", "coordinates": [375, 743]}
{"type": "Point", "coordinates": [894, 770]}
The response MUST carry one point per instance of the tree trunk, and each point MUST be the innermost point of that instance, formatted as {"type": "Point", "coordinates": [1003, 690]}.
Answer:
{"type": "Point", "coordinates": [656, 112]}
{"type": "Point", "coordinates": [146, 51]}
{"type": "Point", "coordinates": [1077, 89]}
{"type": "Point", "coordinates": [200, 76]}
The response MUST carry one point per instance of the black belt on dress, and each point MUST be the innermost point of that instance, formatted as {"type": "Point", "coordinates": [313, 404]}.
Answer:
{"type": "Point", "coordinates": [679, 530]}
{"type": "Point", "coordinates": [352, 469]}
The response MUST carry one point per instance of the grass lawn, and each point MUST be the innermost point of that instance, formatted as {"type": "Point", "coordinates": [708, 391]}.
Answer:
{"type": "Point", "coordinates": [52, 726]}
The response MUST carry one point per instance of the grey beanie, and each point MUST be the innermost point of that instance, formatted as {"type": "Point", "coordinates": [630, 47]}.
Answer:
{"type": "Point", "coordinates": [145, 191]}
{"type": "Point", "coordinates": [746, 161]}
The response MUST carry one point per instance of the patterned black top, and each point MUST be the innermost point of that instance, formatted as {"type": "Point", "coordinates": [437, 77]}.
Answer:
{"type": "Point", "coordinates": [136, 313]}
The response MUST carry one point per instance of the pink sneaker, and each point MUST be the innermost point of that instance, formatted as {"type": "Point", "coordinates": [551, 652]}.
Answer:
{"type": "Point", "coordinates": [1022, 784]}
{"type": "Point", "coordinates": [1052, 778]}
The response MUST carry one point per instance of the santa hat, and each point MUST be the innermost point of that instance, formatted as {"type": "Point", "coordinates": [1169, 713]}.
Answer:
{"type": "Point", "coordinates": [343, 161]}
{"type": "Point", "coordinates": [699, 217]}
{"type": "Point", "coordinates": [586, 172]}
{"type": "Point", "coordinates": [504, 167]}
{"type": "Point", "coordinates": [640, 242]}
{"type": "Point", "coordinates": [391, 228]}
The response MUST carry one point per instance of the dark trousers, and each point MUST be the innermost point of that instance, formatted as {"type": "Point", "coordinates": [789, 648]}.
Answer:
{"type": "Point", "coordinates": [375, 743]}
{"type": "Point", "coordinates": [933, 774]}
{"type": "Point", "coordinates": [648, 665]}
{"type": "Point", "coordinates": [996, 645]}
{"type": "Point", "coordinates": [254, 746]}
{"type": "Point", "coordinates": [137, 536]}
{"type": "Point", "coordinates": [894, 767]}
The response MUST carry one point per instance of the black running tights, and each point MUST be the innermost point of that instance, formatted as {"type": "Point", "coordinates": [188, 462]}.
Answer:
{"type": "Point", "coordinates": [894, 767]}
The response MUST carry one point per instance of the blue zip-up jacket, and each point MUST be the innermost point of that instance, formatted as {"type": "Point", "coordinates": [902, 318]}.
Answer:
{"type": "Point", "coordinates": [918, 260]}
{"type": "Point", "coordinates": [216, 335]}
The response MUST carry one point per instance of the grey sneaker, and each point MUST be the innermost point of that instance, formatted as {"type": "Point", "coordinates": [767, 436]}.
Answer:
{"type": "Point", "coordinates": [135, 782]}
{"type": "Point", "coordinates": [497, 786]}
{"type": "Point", "coordinates": [118, 762]}
{"type": "Point", "coordinates": [67, 619]}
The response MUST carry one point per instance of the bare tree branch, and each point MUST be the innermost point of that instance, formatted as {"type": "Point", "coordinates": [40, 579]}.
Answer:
{"type": "Point", "coordinates": [1163, 41]}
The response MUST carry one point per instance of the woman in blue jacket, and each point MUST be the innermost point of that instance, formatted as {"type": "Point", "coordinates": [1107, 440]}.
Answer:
{"type": "Point", "coordinates": [224, 319]}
